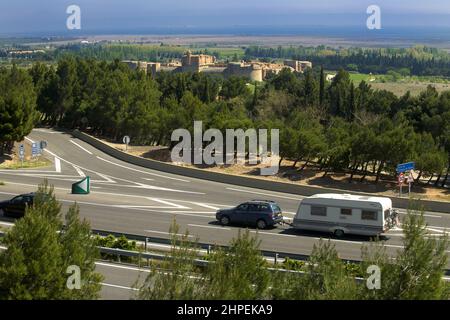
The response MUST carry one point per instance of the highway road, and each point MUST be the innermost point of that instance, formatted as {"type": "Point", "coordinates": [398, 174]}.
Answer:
{"type": "Point", "coordinates": [134, 200]}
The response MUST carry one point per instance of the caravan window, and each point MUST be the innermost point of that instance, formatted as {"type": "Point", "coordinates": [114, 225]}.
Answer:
{"type": "Point", "coordinates": [346, 212]}
{"type": "Point", "coordinates": [369, 215]}
{"type": "Point", "coordinates": [318, 211]}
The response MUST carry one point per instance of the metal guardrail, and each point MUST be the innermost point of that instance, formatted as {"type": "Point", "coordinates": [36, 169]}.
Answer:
{"type": "Point", "coordinates": [199, 262]}
{"type": "Point", "coordinates": [207, 246]}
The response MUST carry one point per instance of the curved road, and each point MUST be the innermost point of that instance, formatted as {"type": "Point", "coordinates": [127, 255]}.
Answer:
{"type": "Point", "coordinates": [131, 199]}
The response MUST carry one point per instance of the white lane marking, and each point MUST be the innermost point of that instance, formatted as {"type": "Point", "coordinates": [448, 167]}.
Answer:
{"type": "Point", "coordinates": [57, 165]}
{"type": "Point", "coordinates": [171, 204]}
{"type": "Point", "coordinates": [403, 211]}
{"type": "Point", "coordinates": [80, 172]}
{"type": "Point", "coordinates": [8, 193]}
{"type": "Point", "coordinates": [46, 131]}
{"type": "Point", "coordinates": [81, 147]}
{"type": "Point", "coordinates": [205, 205]}
{"type": "Point", "coordinates": [13, 171]}
{"type": "Point", "coordinates": [110, 265]}
{"type": "Point", "coordinates": [118, 287]}
{"type": "Point", "coordinates": [107, 178]}
{"type": "Point", "coordinates": [210, 227]}
{"type": "Point", "coordinates": [34, 186]}
{"type": "Point", "coordinates": [148, 179]}
{"type": "Point", "coordinates": [265, 194]}
{"type": "Point", "coordinates": [142, 171]}
{"type": "Point", "coordinates": [191, 211]}
{"type": "Point", "coordinates": [162, 232]}
{"type": "Point", "coordinates": [437, 230]}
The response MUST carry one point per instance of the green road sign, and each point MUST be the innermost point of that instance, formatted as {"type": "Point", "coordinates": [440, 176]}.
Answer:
{"type": "Point", "coordinates": [81, 187]}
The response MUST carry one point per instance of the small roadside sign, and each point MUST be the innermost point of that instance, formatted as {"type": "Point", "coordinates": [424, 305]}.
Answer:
{"type": "Point", "coordinates": [406, 167]}
{"type": "Point", "coordinates": [43, 144]}
{"type": "Point", "coordinates": [21, 152]}
{"type": "Point", "coordinates": [401, 179]}
{"type": "Point", "coordinates": [34, 149]}
{"type": "Point", "coordinates": [410, 180]}
{"type": "Point", "coordinates": [126, 140]}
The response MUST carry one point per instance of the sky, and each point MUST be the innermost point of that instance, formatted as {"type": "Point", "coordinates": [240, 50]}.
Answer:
{"type": "Point", "coordinates": [29, 17]}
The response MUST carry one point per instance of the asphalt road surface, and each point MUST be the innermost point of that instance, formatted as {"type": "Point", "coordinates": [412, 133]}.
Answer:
{"type": "Point", "coordinates": [135, 200]}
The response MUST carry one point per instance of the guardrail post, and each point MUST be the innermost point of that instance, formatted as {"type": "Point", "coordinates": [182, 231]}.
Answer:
{"type": "Point", "coordinates": [118, 257]}
{"type": "Point", "coordinates": [276, 259]}
{"type": "Point", "coordinates": [146, 244]}
{"type": "Point", "coordinates": [209, 249]}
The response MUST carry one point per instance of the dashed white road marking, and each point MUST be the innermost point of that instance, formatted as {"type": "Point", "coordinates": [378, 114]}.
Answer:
{"type": "Point", "coordinates": [210, 227]}
{"type": "Point", "coordinates": [265, 194]}
{"type": "Point", "coordinates": [81, 147]}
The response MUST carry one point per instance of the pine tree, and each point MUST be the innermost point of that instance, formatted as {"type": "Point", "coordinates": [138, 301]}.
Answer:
{"type": "Point", "coordinates": [322, 86]}
{"type": "Point", "coordinates": [40, 250]}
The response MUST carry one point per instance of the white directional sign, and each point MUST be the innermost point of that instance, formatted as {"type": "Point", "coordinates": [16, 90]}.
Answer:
{"type": "Point", "coordinates": [126, 140]}
{"type": "Point", "coordinates": [21, 152]}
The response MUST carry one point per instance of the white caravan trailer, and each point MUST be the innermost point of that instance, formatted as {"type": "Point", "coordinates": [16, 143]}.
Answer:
{"type": "Point", "coordinates": [346, 214]}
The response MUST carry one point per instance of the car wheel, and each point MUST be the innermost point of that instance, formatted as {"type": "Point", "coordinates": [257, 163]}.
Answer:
{"type": "Point", "coordinates": [339, 233]}
{"type": "Point", "coordinates": [225, 221]}
{"type": "Point", "coordinates": [261, 224]}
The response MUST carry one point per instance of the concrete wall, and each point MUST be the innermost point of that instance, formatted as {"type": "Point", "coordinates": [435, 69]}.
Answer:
{"type": "Point", "coordinates": [240, 180]}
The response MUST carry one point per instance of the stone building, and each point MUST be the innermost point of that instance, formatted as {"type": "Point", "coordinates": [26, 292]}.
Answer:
{"type": "Point", "coordinates": [196, 62]}
{"type": "Point", "coordinates": [299, 66]}
{"type": "Point", "coordinates": [253, 72]}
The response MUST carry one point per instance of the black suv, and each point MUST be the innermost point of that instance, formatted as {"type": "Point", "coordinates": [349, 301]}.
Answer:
{"type": "Point", "coordinates": [262, 213]}
{"type": "Point", "coordinates": [16, 206]}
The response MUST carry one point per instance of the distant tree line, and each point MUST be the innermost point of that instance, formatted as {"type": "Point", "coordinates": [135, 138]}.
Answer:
{"type": "Point", "coordinates": [419, 60]}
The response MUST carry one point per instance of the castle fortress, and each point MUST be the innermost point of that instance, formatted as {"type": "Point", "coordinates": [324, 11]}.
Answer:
{"type": "Point", "coordinates": [253, 70]}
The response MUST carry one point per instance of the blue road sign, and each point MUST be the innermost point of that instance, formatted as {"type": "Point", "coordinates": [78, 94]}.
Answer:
{"type": "Point", "coordinates": [406, 167]}
{"type": "Point", "coordinates": [35, 149]}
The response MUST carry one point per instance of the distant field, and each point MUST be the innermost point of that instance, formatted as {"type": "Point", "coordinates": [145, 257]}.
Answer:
{"type": "Point", "coordinates": [400, 86]}
{"type": "Point", "coordinates": [400, 89]}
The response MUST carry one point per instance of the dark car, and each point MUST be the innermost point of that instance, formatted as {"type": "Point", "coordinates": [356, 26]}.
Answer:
{"type": "Point", "coordinates": [16, 206]}
{"type": "Point", "coordinates": [259, 213]}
